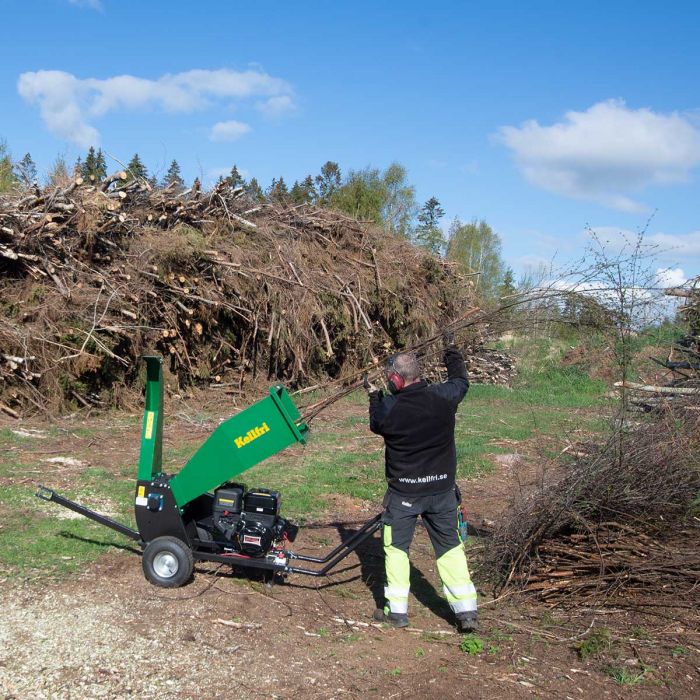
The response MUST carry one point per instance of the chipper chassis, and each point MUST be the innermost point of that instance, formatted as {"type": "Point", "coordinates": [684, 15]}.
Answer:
{"type": "Point", "coordinates": [199, 514]}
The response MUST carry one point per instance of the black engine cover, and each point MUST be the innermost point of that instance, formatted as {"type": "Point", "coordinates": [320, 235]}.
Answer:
{"type": "Point", "coordinates": [254, 535]}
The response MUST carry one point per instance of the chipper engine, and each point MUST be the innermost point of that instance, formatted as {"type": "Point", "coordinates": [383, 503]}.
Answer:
{"type": "Point", "coordinates": [201, 513]}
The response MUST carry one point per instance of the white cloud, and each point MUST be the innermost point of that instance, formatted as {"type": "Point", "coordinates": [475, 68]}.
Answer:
{"type": "Point", "coordinates": [670, 277]}
{"type": "Point", "coordinates": [678, 245]}
{"type": "Point", "coordinates": [68, 105]}
{"type": "Point", "coordinates": [606, 153]}
{"type": "Point", "coordinates": [667, 245]}
{"type": "Point", "coordinates": [275, 107]}
{"type": "Point", "coordinates": [91, 4]}
{"type": "Point", "coordinates": [228, 131]}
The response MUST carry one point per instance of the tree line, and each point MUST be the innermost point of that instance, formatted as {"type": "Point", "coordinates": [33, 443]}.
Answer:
{"type": "Point", "coordinates": [383, 197]}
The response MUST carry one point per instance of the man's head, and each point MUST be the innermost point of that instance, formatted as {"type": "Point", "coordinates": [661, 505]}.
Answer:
{"type": "Point", "coordinates": [402, 370]}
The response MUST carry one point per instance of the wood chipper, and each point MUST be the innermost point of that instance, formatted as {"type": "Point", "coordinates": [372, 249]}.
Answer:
{"type": "Point", "coordinates": [200, 514]}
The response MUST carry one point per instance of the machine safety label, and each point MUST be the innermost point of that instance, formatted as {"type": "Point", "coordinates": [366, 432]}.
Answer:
{"type": "Point", "coordinates": [148, 433]}
{"type": "Point", "coordinates": [249, 539]}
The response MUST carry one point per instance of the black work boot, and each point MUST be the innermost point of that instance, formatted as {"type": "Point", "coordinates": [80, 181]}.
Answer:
{"type": "Point", "coordinates": [396, 620]}
{"type": "Point", "coordinates": [467, 622]}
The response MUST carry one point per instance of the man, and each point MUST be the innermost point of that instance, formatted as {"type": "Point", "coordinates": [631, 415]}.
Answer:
{"type": "Point", "coordinates": [417, 422]}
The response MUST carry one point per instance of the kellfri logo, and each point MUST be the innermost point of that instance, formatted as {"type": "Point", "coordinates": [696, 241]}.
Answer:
{"type": "Point", "coordinates": [251, 435]}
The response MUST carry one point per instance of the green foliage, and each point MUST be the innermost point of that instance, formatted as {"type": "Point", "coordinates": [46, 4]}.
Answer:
{"type": "Point", "coordinates": [94, 169]}
{"type": "Point", "coordinates": [173, 178]}
{"type": "Point", "coordinates": [278, 190]}
{"type": "Point", "coordinates": [25, 171]}
{"type": "Point", "coordinates": [476, 248]}
{"type": "Point", "coordinates": [400, 205]}
{"type": "Point", "coordinates": [362, 195]}
{"type": "Point", "coordinates": [596, 642]}
{"type": "Point", "coordinates": [584, 311]}
{"type": "Point", "coordinates": [625, 676]}
{"type": "Point", "coordinates": [304, 192]}
{"type": "Point", "coordinates": [679, 651]}
{"type": "Point", "coordinates": [135, 169]}
{"type": "Point", "coordinates": [328, 182]}
{"type": "Point", "coordinates": [420, 653]}
{"type": "Point", "coordinates": [507, 285]}
{"type": "Point", "coordinates": [428, 233]}
{"type": "Point", "coordinates": [385, 198]}
{"type": "Point", "coordinates": [7, 175]}
{"type": "Point", "coordinates": [254, 190]}
{"type": "Point", "coordinates": [471, 644]}
{"type": "Point", "coordinates": [235, 179]}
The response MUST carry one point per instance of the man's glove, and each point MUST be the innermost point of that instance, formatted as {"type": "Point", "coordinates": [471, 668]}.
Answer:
{"type": "Point", "coordinates": [448, 338]}
{"type": "Point", "coordinates": [369, 387]}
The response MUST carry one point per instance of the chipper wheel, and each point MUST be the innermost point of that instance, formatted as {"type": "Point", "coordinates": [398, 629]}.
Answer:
{"type": "Point", "coordinates": [167, 562]}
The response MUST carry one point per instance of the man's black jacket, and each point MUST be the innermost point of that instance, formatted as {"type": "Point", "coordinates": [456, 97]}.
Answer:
{"type": "Point", "coordinates": [418, 427]}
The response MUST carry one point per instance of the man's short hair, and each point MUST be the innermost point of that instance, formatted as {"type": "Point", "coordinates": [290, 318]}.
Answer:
{"type": "Point", "coordinates": [406, 364]}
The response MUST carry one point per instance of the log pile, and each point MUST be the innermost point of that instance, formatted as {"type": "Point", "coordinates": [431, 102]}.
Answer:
{"type": "Point", "coordinates": [229, 290]}
{"type": "Point", "coordinates": [488, 366]}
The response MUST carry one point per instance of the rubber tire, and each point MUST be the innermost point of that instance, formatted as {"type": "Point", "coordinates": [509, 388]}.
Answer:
{"type": "Point", "coordinates": [179, 550]}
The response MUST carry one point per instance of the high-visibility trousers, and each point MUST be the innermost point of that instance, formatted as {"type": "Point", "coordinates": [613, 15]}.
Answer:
{"type": "Point", "coordinates": [439, 514]}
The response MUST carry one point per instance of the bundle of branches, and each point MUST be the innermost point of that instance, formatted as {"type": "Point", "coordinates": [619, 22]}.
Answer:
{"type": "Point", "coordinates": [617, 521]}
{"type": "Point", "coordinates": [228, 289]}
{"type": "Point", "coordinates": [612, 559]}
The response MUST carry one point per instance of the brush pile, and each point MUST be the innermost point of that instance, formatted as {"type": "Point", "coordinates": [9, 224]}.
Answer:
{"type": "Point", "coordinates": [227, 289]}
{"type": "Point", "coordinates": [618, 526]}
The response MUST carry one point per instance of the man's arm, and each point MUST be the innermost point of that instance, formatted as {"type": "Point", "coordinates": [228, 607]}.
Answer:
{"type": "Point", "coordinates": [376, 411]}
{"type": "Point", "coordinates": [457, 384]}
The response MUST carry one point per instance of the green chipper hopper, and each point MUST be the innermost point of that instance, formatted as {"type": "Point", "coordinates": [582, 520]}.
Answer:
{"type": "Point", "coordinates": [200, 513]}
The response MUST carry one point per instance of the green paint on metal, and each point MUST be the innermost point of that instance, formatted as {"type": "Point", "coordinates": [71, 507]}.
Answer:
{"type": "Point", "coordinates": [151, 457]}
{"type": "Point", "coordinates": [260, 431]}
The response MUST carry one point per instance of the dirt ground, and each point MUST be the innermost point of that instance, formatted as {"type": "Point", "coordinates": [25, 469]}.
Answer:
{"type": "Point", "coordinates": [108, 633]}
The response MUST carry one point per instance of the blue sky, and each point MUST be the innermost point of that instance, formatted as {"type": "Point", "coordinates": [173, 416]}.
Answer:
{"type": "Point", "coordinates": [542, 118]}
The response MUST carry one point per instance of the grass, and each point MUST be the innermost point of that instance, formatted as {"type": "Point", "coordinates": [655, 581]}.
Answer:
{"type": "Point", "coordinates": [596, 642]}
{"type": "Point", "coordinates": [342, 464]}
{"type": "Point", "coordinates": [471, 644]}
{"type": "Point", "coordinates": [625, 676]}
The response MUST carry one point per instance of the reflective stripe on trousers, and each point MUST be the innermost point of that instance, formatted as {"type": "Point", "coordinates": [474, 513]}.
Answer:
{"type": "Point", "coordinates": [456, 582]}
{"type": "Point", "coordinates": [397, 575]}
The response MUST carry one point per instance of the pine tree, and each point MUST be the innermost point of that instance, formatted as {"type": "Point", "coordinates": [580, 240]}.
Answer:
{"type": "Point", "coordinates": [78, 167]}
{"type": "Point", "coordinates": [428, 233]}
{"type": "Point", "coordinates": [309, 189]}
{"type": "Point", "coordinates": [507, 286]}
{"type": "Point", "coordinates": [174, 176]}
{"type": "Point", "coordinates": [235, 179]}
{"type": "Point", "coordinates": [94, 169]}
{"type": "Point", "coordinates": [136, 170]}
{"type": "Point", "coordinates": [87, 169]}
{"type": "Point", "coordinates": [278, 190]}
{"type": "Point", "coordinates": [303, 192]}
{"type": "Point", "coordinates": [100, 166]}
{"type": "Point", "coordinates": [25, 171]}
{"type": "Point", "coordinates": [254, 190]}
